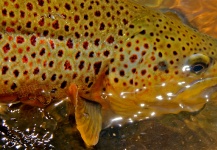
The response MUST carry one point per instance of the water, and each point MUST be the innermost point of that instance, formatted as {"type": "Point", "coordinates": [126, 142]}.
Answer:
{"type": "Point", "coordinates": [27, 127]}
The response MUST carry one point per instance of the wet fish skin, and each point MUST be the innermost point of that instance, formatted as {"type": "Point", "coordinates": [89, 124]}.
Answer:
{"type": "Point", "coordinates": [124, 56]}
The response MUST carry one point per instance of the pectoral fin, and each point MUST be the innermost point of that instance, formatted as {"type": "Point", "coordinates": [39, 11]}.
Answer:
{"type": "Point", "coordinates": [88, 117]}
{"type": "Point", "coordinates": [88, 120]}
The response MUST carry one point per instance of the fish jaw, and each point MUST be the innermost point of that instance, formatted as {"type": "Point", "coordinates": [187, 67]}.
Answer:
{"type": "Point", "coordinates": [200, 91]}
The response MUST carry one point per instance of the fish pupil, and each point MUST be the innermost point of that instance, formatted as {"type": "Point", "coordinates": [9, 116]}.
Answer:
{"type": "Point", "coordinates": [197, 68]}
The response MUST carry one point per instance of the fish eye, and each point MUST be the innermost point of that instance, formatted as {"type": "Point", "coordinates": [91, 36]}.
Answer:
{"type": "Point", "coordinates": [198, 63]}
{"type": "Point", "coordinates": [198, 67]}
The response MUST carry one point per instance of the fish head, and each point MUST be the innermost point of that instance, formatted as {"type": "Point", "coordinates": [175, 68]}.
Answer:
{"type": "Point", "coordinates": [164, 65]}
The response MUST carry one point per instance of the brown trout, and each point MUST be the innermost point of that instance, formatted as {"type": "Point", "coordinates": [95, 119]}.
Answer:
{"type": "Point", "coordinates": [105, 55]}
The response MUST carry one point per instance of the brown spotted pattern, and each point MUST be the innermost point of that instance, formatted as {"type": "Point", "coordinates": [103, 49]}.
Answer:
{"type": "Point", "coordinates": [83, 42]}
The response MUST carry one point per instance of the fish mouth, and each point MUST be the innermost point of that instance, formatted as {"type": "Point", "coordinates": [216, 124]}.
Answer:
{"type": "Point", "coordinates": [198, 91]}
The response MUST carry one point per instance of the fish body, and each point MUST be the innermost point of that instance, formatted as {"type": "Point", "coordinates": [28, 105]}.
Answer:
{"type": "Point", "coordinates": [103, 55]}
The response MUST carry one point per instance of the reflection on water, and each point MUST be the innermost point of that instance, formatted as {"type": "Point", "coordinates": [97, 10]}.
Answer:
{"type": "Point", "coordinates": [35, 128]}
{"type": "Point", "coordinates": [23, 126]}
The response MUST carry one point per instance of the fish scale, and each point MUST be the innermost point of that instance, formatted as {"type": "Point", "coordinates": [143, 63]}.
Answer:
{"type": "Point", "coordinates": [103, 55]}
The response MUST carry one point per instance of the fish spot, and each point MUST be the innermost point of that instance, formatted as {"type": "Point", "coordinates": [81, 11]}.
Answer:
{"type": "Point", "coordinates": [120, 32]}
{"type": "Point", "coordinates": [133, 70]}
{"type": "Point", "coordinates": [4, 23]}
{"type": "Point", "coordinates": [53, 77]}
{"type": "Point", "coordinates": [60, 37]}
{"type": "Point", "coordinates": [82, 5]}
{"type": "Point", "coordinates": [97, 13]}
{"type": "Point", "coordinates": [25, 72]}
{"type": "Point", "coordinates": [76, 18]}
{"type": "Point", "coordinates": [13, 86]}
{"type": "Point", "coordinates": [129, 44]}
{"type": "Point", "coordinates": [90, 84]}
{"type": "Point", "coordinates": [96, 42]}
{"type": "Point", "coordinates": [55, 24]}
{"type": "Point", "coordinates": [116, 80]}
{"type": "Point", "coordinates": [151, 34]}
{"type": "Point", "coordinates": [20, 39]}
{"type": "Point", "coordinates": [175, 53]}
{"type": "Point", "coordinates": [77, 35]}
{"type": "Point", "coordinates": [131, 81]}
{"type": "Point", "coordinates": [6, 59]}
{"type": "Point", "coordinates": [155, 68]}
{"type": "Point", "coordinates": [87, 79]}
{"type": "Point", "coordinates": [11, 14]}
{"type": "Point", "coordinates": [143, 72]}
{"type": "Point", "coordinates": [28, 24]}
{"type": "Point", "coordinates": [66, 27]}
{"type": "Point", "coordinates": [102, 26]}
{"type": "Point", "coordinates": [16, 73]}
{"type": "Point", "coordinates": [91, 23]}
{"type": "Point", "coordinates": [122, 73]}
{"type": "Point", "coordinates": [146, 46]}
{"type": "Point", "coordinates": [40, 2]}
{"type": "Point", "coordinates": [78, 54]}
{"type": "Point", "coordinates": [33, 40]}
{"type": "Point", "coordinates": [36, 71]}
{"type": "Point", "coordinates": [81, 65]}
{"type": "Point", "coordinates": [110, 39]}
{"type": "Point", "coordinates": [42, 52]}
{"type": "Point", "coordinates": [74, 75]}
{"type": "Point", "coordinates": [41, 21]}
{"type": "Point", "coordinates": [91, 54]}
{"type": "Point", "coordinates": [13, 59]}
{"type": "Point", "coordinates": [33, 55]}
{"type": "Point", "coordinates": [85, 45]}
{"type": "Point", "coordinates": [90, 7]}
{"type": "Point", "coordinates": [157, 39]}
{"type": "Point", "coordinates": [63, 84]}
{"type": "Point", "coordinates": [121, 57]}
{"type": "Point", "coordinates": [4, 69]}
{"type": "Point", "coordinates": [6, 82]}
{"type": "Point", "coordinates": [131, 26]}
{"type": "Point", "coordinates": [143, 32]}
{"type": "Point", "coordinates": [86, 17]}
{"type": "Point", "coordinates": [67, 65]}
{"type": "Point", "coordinates": [52, 44]}
{"type": "Point", "coordinates": [19, 28]}
{"type": "Point", "coordinates": [25, 59]}
{"type": "Point", "coordinates": [43, 76]}
{"type": "Point", "coordinates": [60, 53]}
{"type": "Point", "coordinates": [125, 21]}
{"type": "Point", "coordinates": [67, 6]}
{"type": "Point", "coordinates": [108, 14]}
{"type": "Point", "coordinates": [106, 53]}
{"type": "Point", "coordinates": [97, 67]}
{"type": "Point", "coordinates": [168, 45]}
{"type": "Point", "coordinates": [133, 58]}
{"type": "Point", "coordinates": [4, 12]}
{"type": "Point", "coordinates": [29, 6]}
{"type": "Point", "coordinates": [51, 64]}
{"type": "Point", "coordinates": [6, 48]}
{"type": "Point", "coordinates": [9, 29]}
{"type": "Point", "coordinates": [69, 43]}
{"type": "Point", "coordinates": [113, 69]}
{"type": "Point", "coordinates": [86, 34]}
